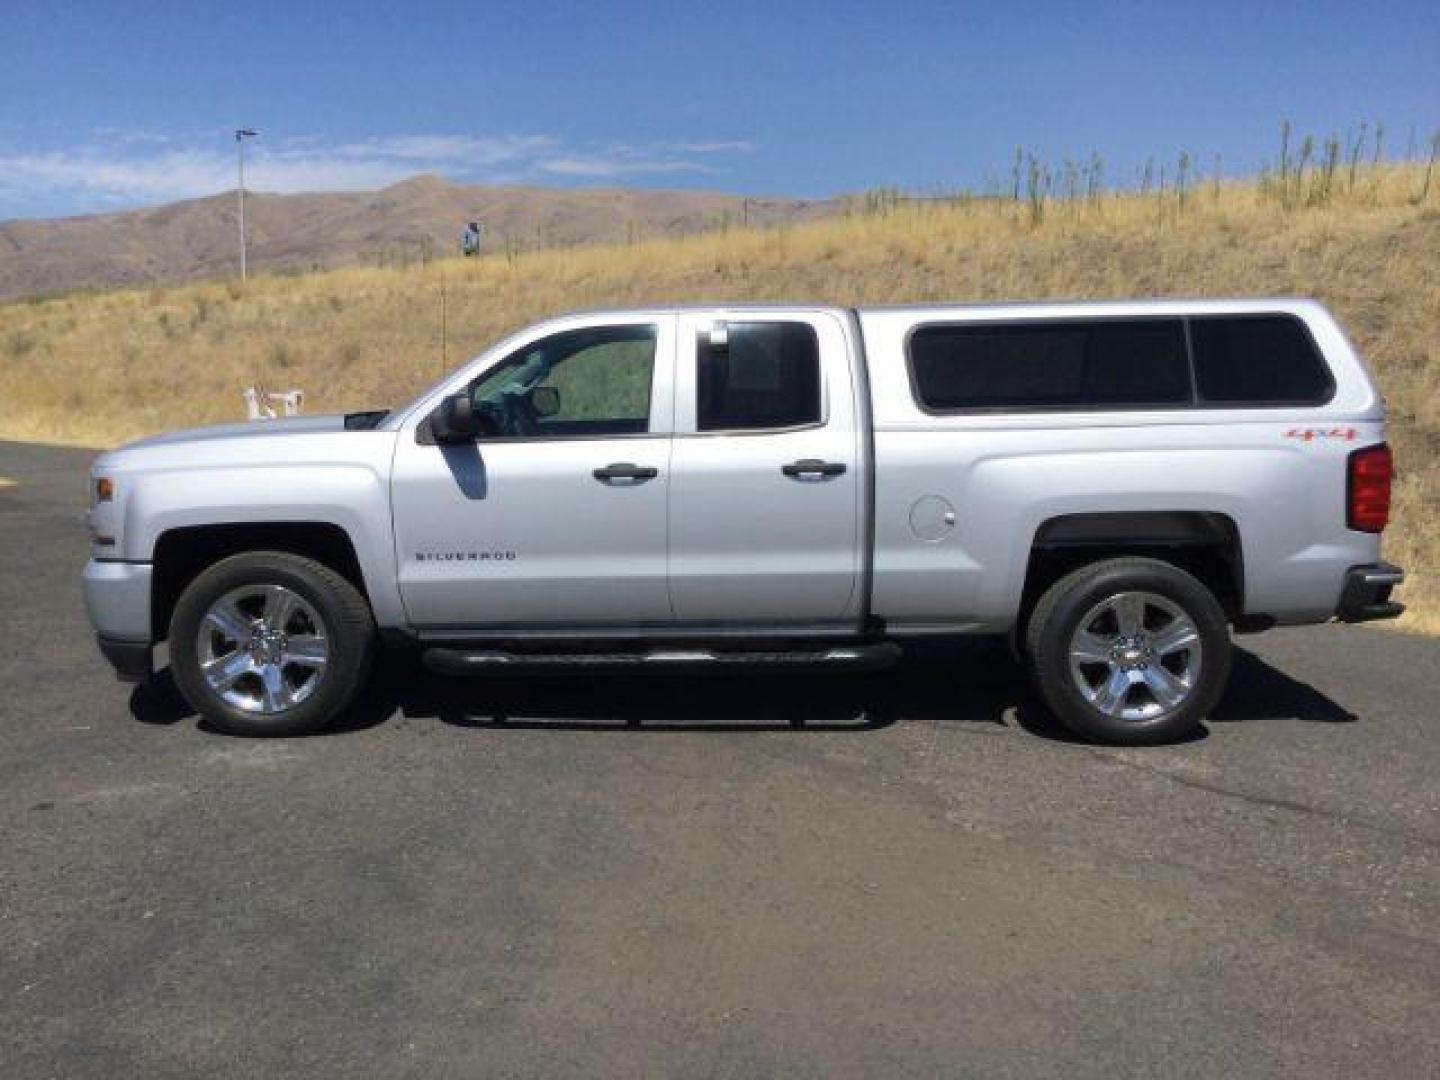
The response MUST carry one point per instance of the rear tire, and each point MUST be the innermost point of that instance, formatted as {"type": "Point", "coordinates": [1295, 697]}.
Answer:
{"type": "Point", "coordinates": [270, 643]}
{"type": "Point", "coordinates": [1129, 651]}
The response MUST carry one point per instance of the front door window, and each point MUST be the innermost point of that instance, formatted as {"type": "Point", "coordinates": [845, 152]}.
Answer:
{"type": "Point", "coordinates": [590, 382]}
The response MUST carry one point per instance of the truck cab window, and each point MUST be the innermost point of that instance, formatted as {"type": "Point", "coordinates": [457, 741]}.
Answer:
{"type": "Point", "coordinates": [594, 381]}
{"type": "Point", "coordinates": [765, 375]}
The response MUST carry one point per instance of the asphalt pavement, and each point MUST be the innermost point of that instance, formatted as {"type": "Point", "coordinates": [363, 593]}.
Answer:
{"type": "Point", "coordinates": [907, 874]}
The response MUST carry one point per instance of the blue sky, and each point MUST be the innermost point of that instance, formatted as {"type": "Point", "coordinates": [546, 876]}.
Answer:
{"type": "Point", "coordinates": [107, 105]}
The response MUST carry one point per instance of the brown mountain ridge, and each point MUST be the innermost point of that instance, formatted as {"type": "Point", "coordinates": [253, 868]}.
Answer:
{"type": "Point", "coordinates": [197, 238]}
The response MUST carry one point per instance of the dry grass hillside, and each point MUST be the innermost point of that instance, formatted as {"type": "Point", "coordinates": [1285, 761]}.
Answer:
{"type": "Point", "coordinates": [102, 368]}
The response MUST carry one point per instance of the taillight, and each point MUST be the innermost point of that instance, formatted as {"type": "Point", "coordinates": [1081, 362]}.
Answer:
{"type": "Point", "coordinates": [1367, 497]}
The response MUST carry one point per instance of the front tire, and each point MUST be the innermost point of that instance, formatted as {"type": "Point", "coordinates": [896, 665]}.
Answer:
{"type": "Point", "coordinates": [1129, 651]}
{"type": "Point", "coordinates": [270, 643]}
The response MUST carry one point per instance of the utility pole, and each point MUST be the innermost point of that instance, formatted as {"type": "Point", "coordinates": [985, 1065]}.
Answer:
{"type": "Point", "coordinates": [241, 134]}
{"type": "Point", "coordinates": [444, 357]}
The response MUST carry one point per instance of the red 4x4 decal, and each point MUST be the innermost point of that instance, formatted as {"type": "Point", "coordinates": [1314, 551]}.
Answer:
{"type": "Point", "coordinates": [1349, 434]}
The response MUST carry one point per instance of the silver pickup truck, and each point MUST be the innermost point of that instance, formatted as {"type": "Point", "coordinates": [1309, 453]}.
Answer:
{"type": "Point", "coordinates": [1113, 485]}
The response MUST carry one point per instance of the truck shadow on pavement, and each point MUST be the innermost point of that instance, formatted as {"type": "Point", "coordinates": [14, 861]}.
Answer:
{"type": "Point", "coordinates": [976, 683]}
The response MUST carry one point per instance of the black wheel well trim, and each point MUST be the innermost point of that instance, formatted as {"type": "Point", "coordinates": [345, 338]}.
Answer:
{"type": "Point", "coordinates": [184, 552]}
{"type": "Point", "coordinates": [1206, 544]}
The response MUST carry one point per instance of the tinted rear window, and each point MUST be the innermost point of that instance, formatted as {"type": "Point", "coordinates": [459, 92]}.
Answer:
{"type": "Point", "coordinates": [1051, 365]}
{"type": "Point", "coordinates": [1258, 360]}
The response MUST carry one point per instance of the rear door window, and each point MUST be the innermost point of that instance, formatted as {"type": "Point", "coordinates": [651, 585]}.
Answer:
{"type": "Point", "coordinates": [1258, 360]}
{"type": "Point", "coordinates": [1094, 364]}
{"type": "Point", "coordinates": [764, 376]}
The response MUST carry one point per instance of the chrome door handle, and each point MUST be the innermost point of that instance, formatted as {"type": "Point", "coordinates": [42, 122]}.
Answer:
{"type": "Point", "coordinates": [625, 471]}
{"type": "Point", "coordinates": [813, 467]}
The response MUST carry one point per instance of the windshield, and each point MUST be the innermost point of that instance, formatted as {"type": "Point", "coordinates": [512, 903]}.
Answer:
{"type": "Point", "coordinates": [365, 421]}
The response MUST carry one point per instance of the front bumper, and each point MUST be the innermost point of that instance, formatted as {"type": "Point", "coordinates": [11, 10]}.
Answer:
{"type": "Point", "coordinates": [132, 660]}
{"type": "Point", "coordinates": [1366, 595]}
{"type": "Point", "coordinates": [117, 596]}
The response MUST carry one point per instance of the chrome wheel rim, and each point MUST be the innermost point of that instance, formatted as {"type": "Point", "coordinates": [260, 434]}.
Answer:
{"type": "Point", "coordinates": [262, 648]}
{"type": "Point", "coordinates": [1135, 656]}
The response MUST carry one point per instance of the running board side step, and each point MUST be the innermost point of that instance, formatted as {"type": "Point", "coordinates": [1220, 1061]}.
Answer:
{"type": "Point", "coordinates": [457, 661]}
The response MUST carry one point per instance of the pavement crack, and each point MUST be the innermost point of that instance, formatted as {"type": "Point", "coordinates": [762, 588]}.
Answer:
{"type": "Point", "coordinates": [1273, 803]}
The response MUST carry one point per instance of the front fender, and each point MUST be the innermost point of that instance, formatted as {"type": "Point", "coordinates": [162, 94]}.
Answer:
{"type": "Point", "coordinates": [351, 497]}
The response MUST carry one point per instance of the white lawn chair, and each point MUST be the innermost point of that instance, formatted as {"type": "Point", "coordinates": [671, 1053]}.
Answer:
{"type": "Point", "coordinates": [261, 404]}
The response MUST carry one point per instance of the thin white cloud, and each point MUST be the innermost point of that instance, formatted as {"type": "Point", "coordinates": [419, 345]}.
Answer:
{"type": "Point", "coordinates": [114, 177]}
{"type": "Point", "coordinates": [731, 146]}
{"type": "Point", "coordinates": [624, 159]}
{"type": "Point", "coordinates": [125, 135]}
{"type": "Point", "coordinates": [450, 148]}
{"type": "Point", "coordinates": [599, 165]}
{"type": "Point", "coordinates": [127, 167]}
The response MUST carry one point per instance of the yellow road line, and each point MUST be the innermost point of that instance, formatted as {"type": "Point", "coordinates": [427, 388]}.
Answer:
{"type": "Point", "coordinates": [5, 482]}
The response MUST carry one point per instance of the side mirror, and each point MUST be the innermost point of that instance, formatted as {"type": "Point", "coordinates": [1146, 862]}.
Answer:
{"type": "Point", "coordinates": [456, 420]}
{"type": "Point", "coordinates": [545, 400]}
